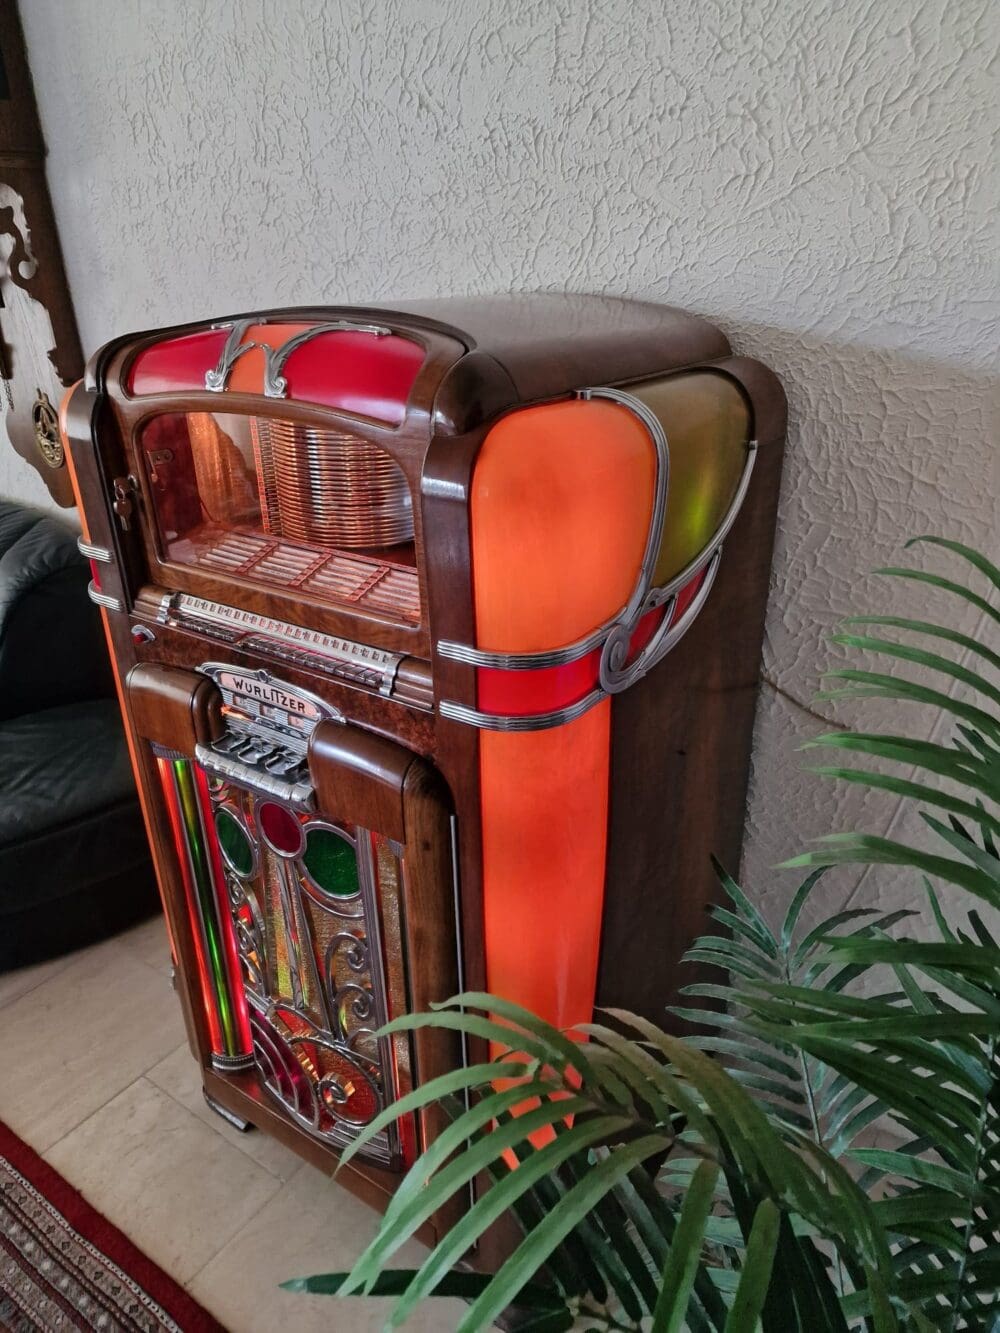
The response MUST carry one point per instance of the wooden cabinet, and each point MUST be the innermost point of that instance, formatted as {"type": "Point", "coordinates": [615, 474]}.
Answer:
{"type": "Point", "coordinates": [437, 631]}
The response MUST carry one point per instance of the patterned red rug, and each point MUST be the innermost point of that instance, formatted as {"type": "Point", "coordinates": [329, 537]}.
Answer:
{"type": "Point", "coordinates": [64, 1268]}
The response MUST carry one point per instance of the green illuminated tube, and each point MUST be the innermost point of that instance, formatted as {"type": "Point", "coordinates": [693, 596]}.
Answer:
{"type": "Point", "coordinates": [202, 872]}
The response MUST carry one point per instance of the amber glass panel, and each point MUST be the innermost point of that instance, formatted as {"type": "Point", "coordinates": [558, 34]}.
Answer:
{"type": "Point", "coordinates": [707, 424]}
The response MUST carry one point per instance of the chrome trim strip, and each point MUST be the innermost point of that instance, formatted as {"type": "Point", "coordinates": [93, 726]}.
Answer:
{"type": "Point", "coordinates": [103, 599]}
{"type": "Point", "coordinates": [530, 722]}
{"type": "Point", "coordinates": [460, 964]}
{"type": "Point", "coordinates": [183, 608]}
{"type": "Point", "coordinates": [483, 657]}
{"type": "Point", "coordinates": [539, 661]}
{"type": "Point", "coordinates": [667, 637]}
{"type": "Point", "coordinates": [92, 552]}
{"type": "Point", "coordinates": [228, 1064]}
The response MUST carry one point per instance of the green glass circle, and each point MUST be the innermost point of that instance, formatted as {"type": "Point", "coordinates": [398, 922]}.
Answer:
{"type": "Point", "coordinates": [331, 863]}
{"type": "Point", "coordinates": [234, 841]}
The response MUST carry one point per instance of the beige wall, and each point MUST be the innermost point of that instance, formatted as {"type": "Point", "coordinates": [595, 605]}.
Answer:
{"type": "Point", "coordinates": [815, 177]}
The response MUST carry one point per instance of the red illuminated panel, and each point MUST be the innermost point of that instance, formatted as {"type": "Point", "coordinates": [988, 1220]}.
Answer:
{"type": "Point", "coordinates": [356, 372]}
{"type": "Point", "coordinates": [521, 693]}
{"type": "Point", "coordinates": [178, 363]}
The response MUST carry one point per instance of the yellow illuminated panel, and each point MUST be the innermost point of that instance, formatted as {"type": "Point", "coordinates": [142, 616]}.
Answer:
{"type": "Point", "coordinates": [707, 424]}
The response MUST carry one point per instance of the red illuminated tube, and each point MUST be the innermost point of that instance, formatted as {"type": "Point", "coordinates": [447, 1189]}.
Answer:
{"type": "Point", "coordinates": [243, 1042]}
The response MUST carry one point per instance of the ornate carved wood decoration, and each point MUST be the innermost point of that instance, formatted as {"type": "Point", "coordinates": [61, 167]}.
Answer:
{"type": "Point", "coordinates": [39, 345]}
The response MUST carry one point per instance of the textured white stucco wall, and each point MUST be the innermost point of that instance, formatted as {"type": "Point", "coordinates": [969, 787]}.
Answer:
{"type": "Point", "coordinates": [816, 177]}
{"type": "Point", "coordinates": [21, 482]}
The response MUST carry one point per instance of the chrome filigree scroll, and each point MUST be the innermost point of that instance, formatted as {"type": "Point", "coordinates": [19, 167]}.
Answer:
{"type": "Point", "coordinates": [275, 383]}
{"type": "Point", "coordinates": [232, 350]}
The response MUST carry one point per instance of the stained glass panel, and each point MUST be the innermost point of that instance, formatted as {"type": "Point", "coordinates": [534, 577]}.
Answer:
{"type": "Point", "coordinates": [235, 842]}
{"type": "Point", "coordinates": [331, 862]}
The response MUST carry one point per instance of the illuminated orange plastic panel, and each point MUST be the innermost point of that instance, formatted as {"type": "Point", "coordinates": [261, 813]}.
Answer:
{"type": "Point", "coordinates": [562, 498]}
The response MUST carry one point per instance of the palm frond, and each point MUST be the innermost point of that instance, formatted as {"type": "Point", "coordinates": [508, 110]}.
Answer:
{"type": "Point", "coordinates": [728, 1180]}
{"type": "Point", "coordinates": [923, 1058]}
{"type": "Point", "coordinates": [614, 1114]}
{"type": "Point", "coordinates": [796, 1087]}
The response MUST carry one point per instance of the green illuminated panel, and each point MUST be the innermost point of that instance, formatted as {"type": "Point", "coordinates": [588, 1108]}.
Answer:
{"type": "Point", "coordinates": [234, 841]}
{"type": "Point", "coordinates": [331, 863]}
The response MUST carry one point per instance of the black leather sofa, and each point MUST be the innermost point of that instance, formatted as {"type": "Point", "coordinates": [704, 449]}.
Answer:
{"type": "Point", "coordinates": [74, 862]}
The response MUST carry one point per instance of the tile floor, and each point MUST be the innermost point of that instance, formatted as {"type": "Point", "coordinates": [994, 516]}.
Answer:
{"type": "Point", "coordinates": [96, 1075]}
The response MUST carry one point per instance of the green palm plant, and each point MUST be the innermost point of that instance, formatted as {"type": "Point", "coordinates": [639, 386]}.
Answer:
{"type": "Point", "coordinates": [925, 1055]}
{"type": "Point", "coordinates": [722, 1181]}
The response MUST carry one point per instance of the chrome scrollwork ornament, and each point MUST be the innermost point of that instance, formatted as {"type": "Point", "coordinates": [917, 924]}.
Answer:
{"type": "Point", "coordinates": [216, 380]}
{"type": "Point", "coordinates": [354, 949]}
{"type": "Point", "coordinates": [615, 672]}
{"type": "Point", "coordinates": [275, 383]}
{"type": "Point", "coordinates": [355, 1001]}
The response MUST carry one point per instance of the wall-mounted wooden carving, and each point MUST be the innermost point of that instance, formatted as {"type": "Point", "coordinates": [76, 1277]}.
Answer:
{"type": "Point", "coordinates": [39, 345]}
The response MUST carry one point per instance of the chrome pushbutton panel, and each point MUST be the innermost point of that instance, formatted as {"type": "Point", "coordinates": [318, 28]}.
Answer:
{"type": "Point", "coordinates": [268, 724]}
{"type": "Point", "coordinates": [250, 762]}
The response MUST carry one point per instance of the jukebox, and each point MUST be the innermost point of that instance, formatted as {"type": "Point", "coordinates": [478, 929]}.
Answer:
{"type": "Point", "coordinates": [437, 633]}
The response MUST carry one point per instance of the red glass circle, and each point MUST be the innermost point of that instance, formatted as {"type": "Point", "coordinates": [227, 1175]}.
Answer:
{"type": "Point", "coordinates": [280, 829]}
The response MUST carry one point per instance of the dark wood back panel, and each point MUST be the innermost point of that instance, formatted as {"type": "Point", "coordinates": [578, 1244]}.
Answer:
{"type": "Point", "coordinates": [680, 760]}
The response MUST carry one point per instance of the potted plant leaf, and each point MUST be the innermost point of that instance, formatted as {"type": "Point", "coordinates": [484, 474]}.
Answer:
{"type": "Point", "coordinates": [732, 1181]}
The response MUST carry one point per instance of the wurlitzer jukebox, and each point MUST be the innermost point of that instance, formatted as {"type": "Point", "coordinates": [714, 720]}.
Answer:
{"type": "Point", "coordinates": [437, 630]}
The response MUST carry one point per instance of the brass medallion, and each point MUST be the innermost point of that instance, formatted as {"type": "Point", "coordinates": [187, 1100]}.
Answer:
{"type": "Point", "coordinates": [45, 420]}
